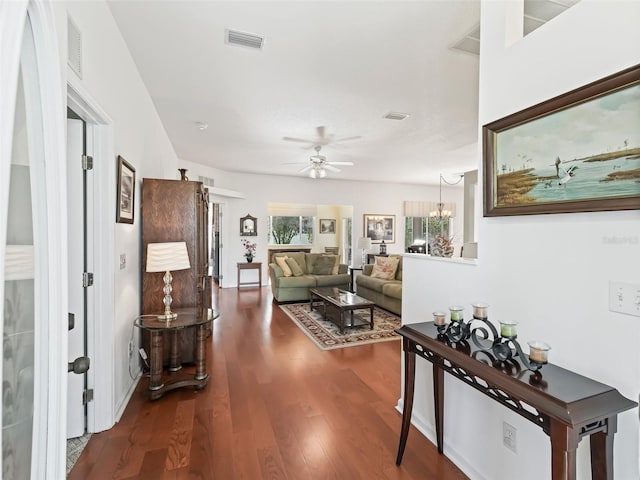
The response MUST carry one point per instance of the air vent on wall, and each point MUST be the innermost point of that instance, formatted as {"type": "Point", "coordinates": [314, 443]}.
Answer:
{"type": "Point", "coordinates": [74, 48]}
{"type": "Point", "coordinates": [206, 181]}
{"type": "Point", "coordinates": [243, 39]}
{"type": "Point", "coordinates": [396, 116]}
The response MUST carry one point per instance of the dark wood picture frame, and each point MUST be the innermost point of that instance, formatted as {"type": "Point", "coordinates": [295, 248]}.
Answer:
{"type": "Point", "coordinates": [379, 227]}
{"type": "Point", "coordinates": [248, 226]}
{"type": "Point", "coordinates": [125, 199]}
{"type": "Point", "coordinates": [522, 179]}
{"type": "Point", "coordinates": [327, 225]}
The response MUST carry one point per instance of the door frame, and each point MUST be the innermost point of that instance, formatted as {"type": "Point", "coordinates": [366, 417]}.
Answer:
{"type": "Point", "coordinates": [50, 380]}
{"type": "Point", "coordinates": [101, 414]}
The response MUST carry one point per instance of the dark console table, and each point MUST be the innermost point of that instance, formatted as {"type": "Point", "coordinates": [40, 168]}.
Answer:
{"type": "Point", "coordinates": [569, 406]}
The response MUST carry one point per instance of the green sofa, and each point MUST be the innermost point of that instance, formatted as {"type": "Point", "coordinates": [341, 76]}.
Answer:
{"type": "Point", "coordinates": [384, 293]}
{"type": "Point", "coordinates": [315, 271]}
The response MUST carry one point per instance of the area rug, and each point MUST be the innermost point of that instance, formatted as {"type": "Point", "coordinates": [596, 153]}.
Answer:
{"type": "Point", "coordinates": [326, 335]}
{"type": "Point", "coordinates": [75, 446]}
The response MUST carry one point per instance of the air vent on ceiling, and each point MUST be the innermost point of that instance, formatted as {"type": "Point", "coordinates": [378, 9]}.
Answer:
{"type": "Point", "coordinates": [206, 181]}
{"type": "Point", "coordinates": [396, 116]}
{"type": "Point", "coordinates": [74, 48]}
{"type": "Point", "coordinates": [243, 39]}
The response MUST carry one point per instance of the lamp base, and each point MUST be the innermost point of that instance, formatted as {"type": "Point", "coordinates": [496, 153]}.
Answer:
{"type": "Point", "coordinates": [168, 316]}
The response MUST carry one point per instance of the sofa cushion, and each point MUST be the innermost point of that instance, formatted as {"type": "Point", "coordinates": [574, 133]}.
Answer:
{"type": "Point", "coordinates": [282, 263]}
{"type": "Point", "coordinates": [341, 279]}
{"type": "Point", "coordinates": [372, 283]}
{"type": "Point", "coordinates": [320, 264]}
{"type": "Point", "coordinates": [336, 265]}
{"type": "Point", "coordinates": [305, 281]}
{"type": "Point", "coordinates": [385, 268]}
{"type": "Point", "coordinates": [393, 289]}
{"type": "Point", "coordinates": [399, 270]}
{"type": "Point", "coordinates": [295, 268]}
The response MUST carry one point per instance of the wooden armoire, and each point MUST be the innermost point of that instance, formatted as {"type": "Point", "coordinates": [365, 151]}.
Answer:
{"type": "Point", "coordinates": [176, 211]}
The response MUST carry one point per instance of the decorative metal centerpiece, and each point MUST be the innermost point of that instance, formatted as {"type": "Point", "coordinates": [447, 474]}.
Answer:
{"type": "Point", "coordinates": [480, 331]}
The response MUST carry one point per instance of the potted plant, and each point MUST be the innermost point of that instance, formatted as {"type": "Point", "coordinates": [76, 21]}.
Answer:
{"type": "Point", "coordinates": [442, 246]}
{"type": "Point", "coordinates": [249, 249]}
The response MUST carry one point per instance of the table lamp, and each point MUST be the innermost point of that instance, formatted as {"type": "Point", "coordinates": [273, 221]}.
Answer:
{"type": "Point", "coordinates": [365, 244]}
{"type": "Point", "coordinates": [164, 257]}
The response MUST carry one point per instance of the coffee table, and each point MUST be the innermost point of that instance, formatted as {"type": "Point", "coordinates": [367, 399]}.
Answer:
{"type": "Point", "coordinates": [339, 306]}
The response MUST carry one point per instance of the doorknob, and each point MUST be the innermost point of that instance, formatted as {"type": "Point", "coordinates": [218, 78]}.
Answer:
{"type": "Point", "coordinates": [79, 365]}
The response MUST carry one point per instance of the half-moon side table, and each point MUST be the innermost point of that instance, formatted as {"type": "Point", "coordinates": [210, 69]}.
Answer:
{"type": "Point", "coordinates": [197, 318]}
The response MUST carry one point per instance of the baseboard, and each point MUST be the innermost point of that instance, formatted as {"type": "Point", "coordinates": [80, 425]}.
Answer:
{"type": "Point", "coordinates": [428, 430]}
{"type": "Point", "coordinates": [125, 401]}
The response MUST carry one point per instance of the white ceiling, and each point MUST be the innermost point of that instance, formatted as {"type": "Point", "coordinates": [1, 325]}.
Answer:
{"type": "Point", "coordinates": [342, 65]}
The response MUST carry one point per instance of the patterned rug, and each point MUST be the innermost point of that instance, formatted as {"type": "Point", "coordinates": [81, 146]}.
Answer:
{"type": "Point", "coordinates": [326, 335]}
{"type": "Point", "coordinates": [75, 446]}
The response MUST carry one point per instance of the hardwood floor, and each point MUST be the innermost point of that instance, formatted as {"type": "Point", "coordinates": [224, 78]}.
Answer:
{"type": "Point", "coordinates": [276, 407]}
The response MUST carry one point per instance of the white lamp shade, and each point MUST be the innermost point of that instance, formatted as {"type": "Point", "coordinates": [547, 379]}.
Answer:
{"type": "Point", "coordinates": [170, 256]}
{"type": "Point", "coordinates": [364, 243]}
{"type": "Point", "coordinates": [18, 262]}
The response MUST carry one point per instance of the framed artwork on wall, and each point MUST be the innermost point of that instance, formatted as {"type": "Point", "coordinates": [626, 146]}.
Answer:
{"type": "Point", "coordinates": [578, 152]}
{"type": "Point", "coordinates": [248, 226]}
{"type": "Point", "coordinates": [126, 191]}
{"type": "Point", "coordinates": [327, 225]}
{"type": "Point", "coordinates": [379, 227]}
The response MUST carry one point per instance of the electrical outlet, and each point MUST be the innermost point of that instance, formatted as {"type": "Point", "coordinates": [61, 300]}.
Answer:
{"type": "Point", "coordinates": [624, 298]}
{"type": "Point", "coordinates": [130, 347]}
{"type": "Point", "coordinates": [509, 438]}
{"type": "Point", "coordinates": [123, 261]}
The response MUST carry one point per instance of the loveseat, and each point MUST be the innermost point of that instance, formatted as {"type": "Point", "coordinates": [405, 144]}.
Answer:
{"type": "Point", "coordinates": [292, 274]}
{"type": "Point", "coordinates": [384, 287]}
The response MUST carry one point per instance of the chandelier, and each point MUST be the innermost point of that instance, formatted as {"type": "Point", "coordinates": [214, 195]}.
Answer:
{"type": "Point", "coordinates": [442, 213]}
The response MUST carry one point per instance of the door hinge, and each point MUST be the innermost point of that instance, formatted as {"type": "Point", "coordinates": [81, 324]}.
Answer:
{"type": "Point", "coordinates": [87, 396]}
{"type": "Point", "coordinates": [87, 162]}
{"type": "Point", "coordinates": [87, 279]}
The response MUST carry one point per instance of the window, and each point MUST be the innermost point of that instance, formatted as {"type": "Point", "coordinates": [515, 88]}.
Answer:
{"type": "Point", "coordinates": [291, 230]}
{"type": "Point", "coordinates": [421, 230]}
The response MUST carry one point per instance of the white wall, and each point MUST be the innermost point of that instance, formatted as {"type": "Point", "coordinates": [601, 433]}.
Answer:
{"type": "Point", "coordinates": [259, 190]}
{"type": "Point", "coordinates": [112, 81]}
{"type": "Point", "coordinates": [549, 272]}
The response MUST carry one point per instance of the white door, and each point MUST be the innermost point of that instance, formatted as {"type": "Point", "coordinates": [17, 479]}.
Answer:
{"type": "Point", "coordinates": [76, 414]}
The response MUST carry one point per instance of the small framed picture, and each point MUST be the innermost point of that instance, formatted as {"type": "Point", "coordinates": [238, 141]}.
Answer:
{"type": "Point", "coordinates": [327, 225]}
{"type": "Point", "coordinates": [379, 227]}
{"type": "Point", "coordinates": [126, 191]}
{"type": "Point", "coordinates": [248, 226]}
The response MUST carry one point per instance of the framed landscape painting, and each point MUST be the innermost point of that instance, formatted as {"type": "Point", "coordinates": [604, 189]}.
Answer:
{"type": "Point", "coordinates": [578, 152]}
{"type": "Point", "coordinates": [380, 227]}
{"type": "Point", "coordinates": [327, 225]}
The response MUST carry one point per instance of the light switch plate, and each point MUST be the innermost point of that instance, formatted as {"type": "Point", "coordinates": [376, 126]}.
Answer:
{"type": "Point", "coordinates": [624, 298]}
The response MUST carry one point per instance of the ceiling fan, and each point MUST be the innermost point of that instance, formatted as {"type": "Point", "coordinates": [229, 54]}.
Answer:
{"type": "Point", "coordinates": [318, 165]}
{"type": "Point", "coordinates": [322, 139]}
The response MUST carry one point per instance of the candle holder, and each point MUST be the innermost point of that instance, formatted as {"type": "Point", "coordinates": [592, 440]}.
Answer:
{"type": "Point", "coordinates": [503, 344]}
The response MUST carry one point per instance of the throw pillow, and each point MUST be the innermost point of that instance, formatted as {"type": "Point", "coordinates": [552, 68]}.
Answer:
{"type": "Point", "coordinates": [324, 265]}
{"type": "Point", "coordinates": [295, 268]}
{"type": "Point", "coordinates": [282, 263]}
{"type": "Point", "coordinates": [385, 268]}
{"type": "Point", "coordinates": [336, 265]}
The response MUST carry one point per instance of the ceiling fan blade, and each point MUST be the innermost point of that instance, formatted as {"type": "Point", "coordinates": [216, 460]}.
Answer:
{"type": "Point", "coordinates": [294, 163]}
{"type": "Point", "coordinates": [331, 168]}
{"type": "Point", "coordinates": [300, 140]}
{"type": "Point", "coordinates": [346, 139]}
{"type": "Point", "coordinates": [350, 164]}
{"type": "Point", "coordinates": [305, 169]}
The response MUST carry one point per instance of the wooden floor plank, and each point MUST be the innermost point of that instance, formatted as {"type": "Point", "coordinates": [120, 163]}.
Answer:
{"type": "Point", "coordinates": [276, 407]}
